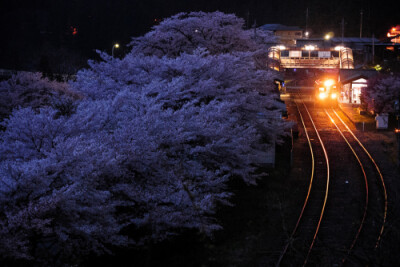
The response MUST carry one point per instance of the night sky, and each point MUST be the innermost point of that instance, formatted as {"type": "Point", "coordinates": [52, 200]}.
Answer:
{"type": "Point", "coordinates": [38, 34]}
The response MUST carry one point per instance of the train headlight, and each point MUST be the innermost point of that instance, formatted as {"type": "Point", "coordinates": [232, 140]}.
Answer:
{"type": "Point", "coordinates": [322, 95]}
{"type": "Point", "coordinates": [333, 95]}
{"type": "Point", "coordinates": [329, 82]}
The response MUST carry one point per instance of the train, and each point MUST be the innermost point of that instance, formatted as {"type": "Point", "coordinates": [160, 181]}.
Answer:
{"type": "Point", "coordinates": [326, 92]}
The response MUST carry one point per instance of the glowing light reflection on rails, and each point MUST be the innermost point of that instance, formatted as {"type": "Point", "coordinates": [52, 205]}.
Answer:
{"type": "Point", "coordinates": [380, 175]}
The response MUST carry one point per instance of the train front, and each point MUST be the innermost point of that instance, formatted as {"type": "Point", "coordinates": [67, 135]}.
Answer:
{"type": "Point", "coordinates": [326, 93]}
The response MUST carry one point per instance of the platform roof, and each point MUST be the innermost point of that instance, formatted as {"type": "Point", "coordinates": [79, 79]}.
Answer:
{"type": "Point", "coordinates": [349, 75]}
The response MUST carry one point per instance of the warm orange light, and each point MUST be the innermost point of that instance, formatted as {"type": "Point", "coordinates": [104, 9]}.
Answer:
{"type": "Point", "coordinates": [393, 29]}
{"type": "Point", "coordinates": [329, 82]}
{"type": "Point", "coordinates": [397, 130]}
{"type": "Point", "coordinates": [322, 95]}
{"type": "Point", "coordinates": [333, 95]}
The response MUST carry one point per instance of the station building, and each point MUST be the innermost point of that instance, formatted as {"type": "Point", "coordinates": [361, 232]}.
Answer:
{"type": "Point", "coordinates": [342, 57]}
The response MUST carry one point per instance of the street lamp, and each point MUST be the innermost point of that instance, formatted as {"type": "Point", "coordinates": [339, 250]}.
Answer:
{"type": "Point", "coordinates": [112, 50]}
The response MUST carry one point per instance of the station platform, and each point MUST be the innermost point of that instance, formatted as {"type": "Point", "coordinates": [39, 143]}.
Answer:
{"type": "Point", "coordinates": [362, 122]}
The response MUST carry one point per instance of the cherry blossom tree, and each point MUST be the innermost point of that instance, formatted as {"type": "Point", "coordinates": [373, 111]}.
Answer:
{"type": "Point", "coordinates": [146, 153]}
{"type": "Point", "coordinates": [28, 89]}
{"type": "Point", "coordinates": [115, 164]}
{"type": "Point", "coordinates": [185, 32]}
{"type": "Point", "coordinates": [199, 76]}
{"type": "Point", "coordinates": [382, 92]}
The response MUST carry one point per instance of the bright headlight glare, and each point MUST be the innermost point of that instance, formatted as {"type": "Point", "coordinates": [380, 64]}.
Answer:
{"type": "Point", "coordinates": [328, 83]}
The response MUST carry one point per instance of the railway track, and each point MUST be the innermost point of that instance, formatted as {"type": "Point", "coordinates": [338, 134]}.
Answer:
{"type": "Point", "coordinates": [373, 222]}
{"type": "Point", "coordinates": [347, 228]}
{"type": "Point", "coordinates": [310, 218]}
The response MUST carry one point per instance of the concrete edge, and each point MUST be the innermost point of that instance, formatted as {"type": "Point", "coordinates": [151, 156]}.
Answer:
{"type": "Point", "coordinates": [359, 125]}
{"type": "Point", "coordinates": [340, 106]}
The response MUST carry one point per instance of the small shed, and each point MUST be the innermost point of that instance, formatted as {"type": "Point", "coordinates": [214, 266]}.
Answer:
{"type": "Point", "coordinates": [352, 83]}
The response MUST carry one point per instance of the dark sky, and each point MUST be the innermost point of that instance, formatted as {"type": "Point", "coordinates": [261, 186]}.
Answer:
{"type": "Point", "coordinates": [33, 29]}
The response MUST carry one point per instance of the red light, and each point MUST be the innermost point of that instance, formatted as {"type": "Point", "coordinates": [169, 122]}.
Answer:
{"type": "Point", "coordinates": [397, 130]}
{"type": "Point", "coordinates": [74, 30]}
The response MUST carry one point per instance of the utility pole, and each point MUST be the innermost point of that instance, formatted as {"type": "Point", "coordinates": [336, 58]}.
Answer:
{"type": "Point", "coordinates": [373, 49]}
{"type": "Point", "coordinates": [397, 130]}
{"type": "Point", "coordinates": [342, 31]}
{"type": "Point", "coordinates": [361, 17]}
{"type": "Point", "coordinates": [247, 19]}
{"type": "Point", "coordinates": [307, 22]}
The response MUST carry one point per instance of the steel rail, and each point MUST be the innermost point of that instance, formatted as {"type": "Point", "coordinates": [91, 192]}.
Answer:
{"type": "Point", "coordinates": [326, 190]}
{"type": "Point", "coordinates": [366, 187]}
{"type": "Point", "coordinates": [308, 192]}
{"type": "Point", "coordinates": [309, 188]}
{"type": "Point", "coordinates": [381, 180]}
